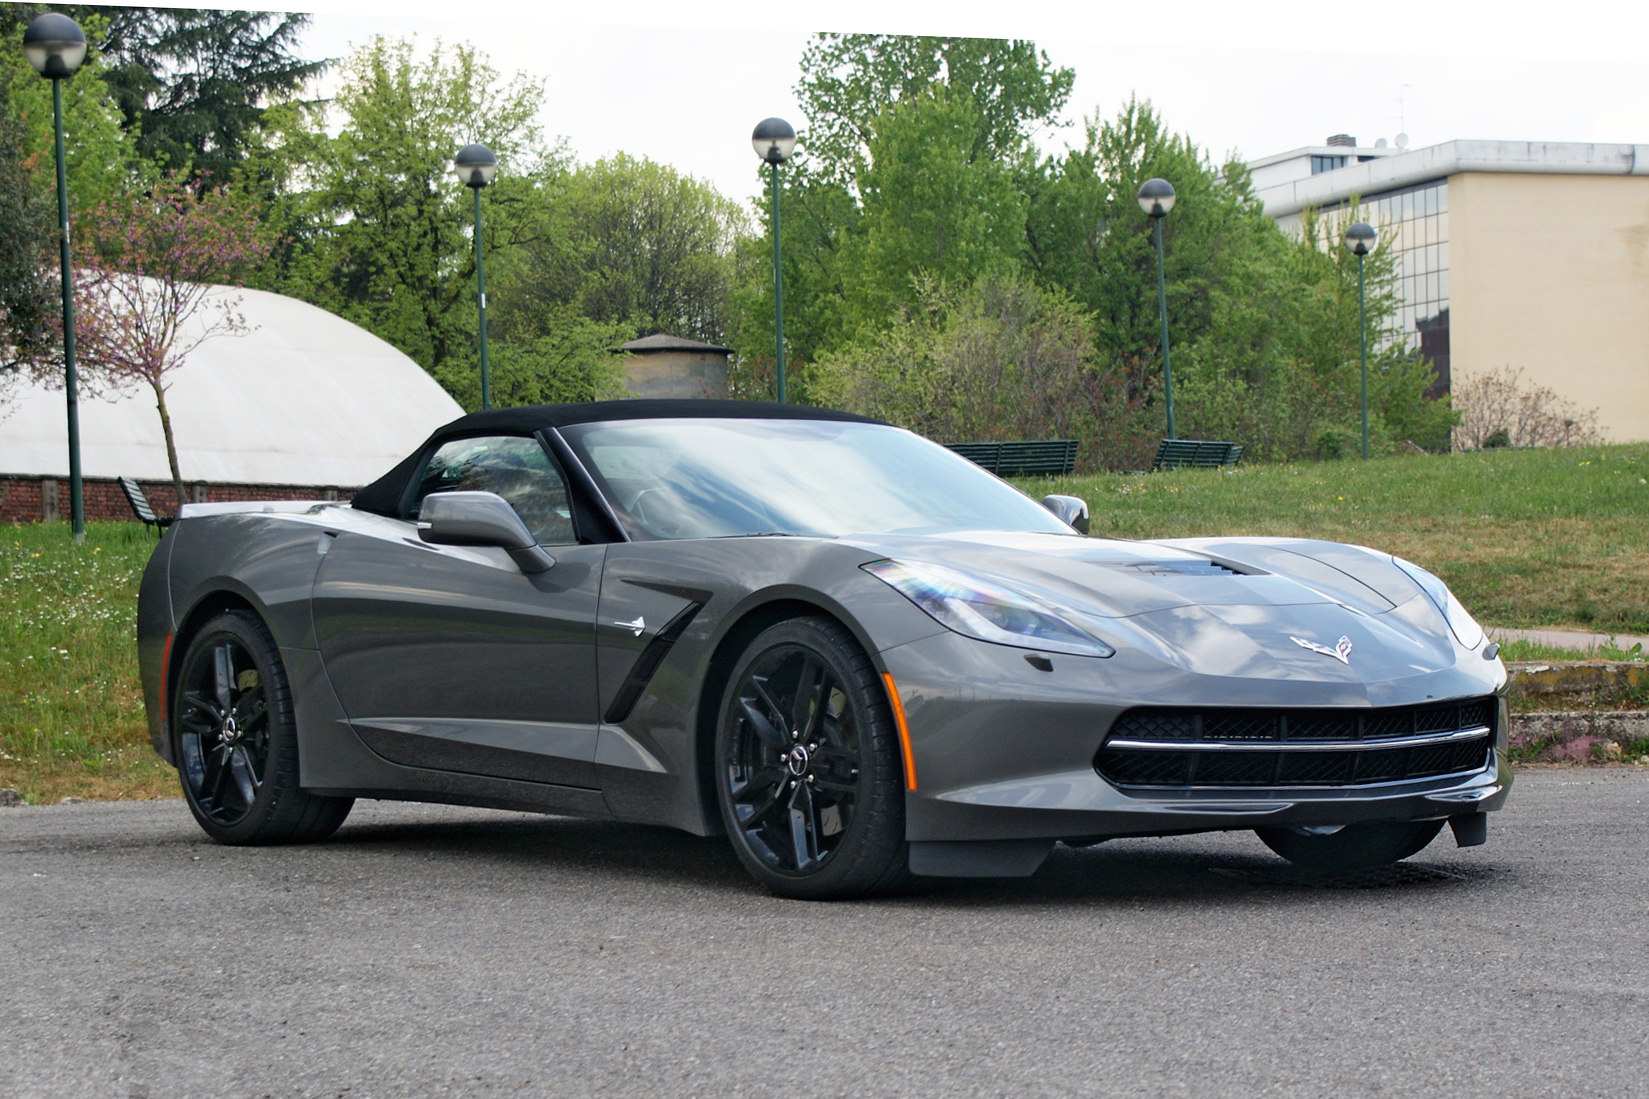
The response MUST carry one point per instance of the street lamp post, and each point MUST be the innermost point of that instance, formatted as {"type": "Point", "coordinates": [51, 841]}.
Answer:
{"type": "Point", "coordinates": [774, 140]}
{"type": "Point", "coordinates": [55, 46]}
{"type": "Point", "coordinates": [1156, 198]}
{"type": "Point", "coordinates": [476, 167]}
{"type": "Point", "coordinates": [1361, 239]}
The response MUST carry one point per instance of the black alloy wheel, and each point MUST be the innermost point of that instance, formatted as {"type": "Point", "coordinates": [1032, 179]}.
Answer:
{"type": "Point", "coordinates": [1354, 847]}
{"type": "Point", "coordinates": [236, 745]}
{"type": "Point", "coordinates": [808, 772]}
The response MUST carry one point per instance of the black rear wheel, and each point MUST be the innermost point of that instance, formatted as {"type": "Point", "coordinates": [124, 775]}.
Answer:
{"type": "Point", "coordinates": [236, 743]}
{"type": "Point", "coordinates": [1354, 847]}
{"type": "Point", "coordinates": [807, 765]}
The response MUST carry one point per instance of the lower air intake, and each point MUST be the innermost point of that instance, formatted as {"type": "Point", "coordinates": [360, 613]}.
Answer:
{"type": "Point", "coordinates": [1247, 748]}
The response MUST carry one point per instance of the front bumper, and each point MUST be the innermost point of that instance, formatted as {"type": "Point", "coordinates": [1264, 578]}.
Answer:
{"type": "Point", "coordinates": [1003, 751]}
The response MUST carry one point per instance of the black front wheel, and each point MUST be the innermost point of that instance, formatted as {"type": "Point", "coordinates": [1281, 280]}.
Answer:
{"type": "Point", "coordinates": [236, 743]}
{"type": "Point", "coordinates": [1354, 847]}
{"type": "Point", "coordinates": [808, 771]}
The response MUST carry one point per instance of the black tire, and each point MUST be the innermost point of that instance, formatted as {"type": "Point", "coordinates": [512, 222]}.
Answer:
{"type": "Point", "coordinates": [1354, 847]}
{"type": "Point", "coordinates": [804, 730]}
{"type": "Point", "coordinates": [235, 741]}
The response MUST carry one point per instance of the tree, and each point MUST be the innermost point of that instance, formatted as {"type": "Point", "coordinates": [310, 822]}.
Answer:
{"type": "Point", "coordinates": [25, 248]}
{"type": "Point", "coordinates": [574, 359]}
{"type": "Point", "coordinates": [144, 297]}
{"type": "Point", "coordinates": [102, 159]}
{"type": "Point", "coordinates": [931, 206]}
{"type": "Point", "coordinates": [378, 229]}
{"type": "Point", "coordinates": [626, 243]}
{"type": "Point", "coordinates": [849, 80]}
{"type": "Point", "coordinates": [193, 83]}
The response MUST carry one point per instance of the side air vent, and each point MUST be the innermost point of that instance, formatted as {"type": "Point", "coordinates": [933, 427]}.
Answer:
{"type": "Point", "coordinates": [641, 673]}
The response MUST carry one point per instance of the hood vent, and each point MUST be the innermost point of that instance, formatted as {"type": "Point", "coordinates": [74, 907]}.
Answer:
{"type": "Point", "coordinates": [1180, 568]}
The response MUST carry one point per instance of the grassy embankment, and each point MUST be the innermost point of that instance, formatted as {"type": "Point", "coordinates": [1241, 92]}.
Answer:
{"type": "Point", "coordinates": [1526, 538]}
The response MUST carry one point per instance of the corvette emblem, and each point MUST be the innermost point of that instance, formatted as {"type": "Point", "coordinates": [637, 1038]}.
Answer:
{"type": "Point", "coordinates": [635, 627]}
{"type": "Point", "coordinates": [1341, 651]}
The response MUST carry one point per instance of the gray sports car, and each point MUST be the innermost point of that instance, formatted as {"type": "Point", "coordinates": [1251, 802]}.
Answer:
{"type": "Point", "coordinates": [857, 654]}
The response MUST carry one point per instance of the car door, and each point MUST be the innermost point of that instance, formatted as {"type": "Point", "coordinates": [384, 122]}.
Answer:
{"type": "Point", "coordinates": [450, 657]}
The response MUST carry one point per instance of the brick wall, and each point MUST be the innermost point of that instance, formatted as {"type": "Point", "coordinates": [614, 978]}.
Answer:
{"type": "Point", "coordinates": [36, 499]}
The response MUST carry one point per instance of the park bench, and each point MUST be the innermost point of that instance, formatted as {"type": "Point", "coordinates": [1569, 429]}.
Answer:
{"type": "Point", "coordinates": [140, 505]}
{"type": "Point", "coordinates": [1049, 457]}
{"type": "Point", "coordinates": [1196, 454]}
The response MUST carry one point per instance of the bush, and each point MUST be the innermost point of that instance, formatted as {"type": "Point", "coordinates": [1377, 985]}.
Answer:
{"type": "Point", "coordinates": [1000, 360]}
{"type": "Point", "coordinates": [1499, 409]}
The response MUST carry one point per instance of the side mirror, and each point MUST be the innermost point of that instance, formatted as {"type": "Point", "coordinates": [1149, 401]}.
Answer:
{"type": "Point", "coordinates": [1071, 510]}
{"type": "Point", "coordinates": [480, 519]}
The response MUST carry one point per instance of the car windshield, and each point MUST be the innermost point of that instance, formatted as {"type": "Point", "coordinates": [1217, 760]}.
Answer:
{"type": "Point", "coordinates": [704, 478]}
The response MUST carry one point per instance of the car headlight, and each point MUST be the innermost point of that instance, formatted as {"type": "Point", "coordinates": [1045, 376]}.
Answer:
{"type": "Point", "coordinates": [1465, 627]}
{"type": "Point", "coordinates": [987, 611]}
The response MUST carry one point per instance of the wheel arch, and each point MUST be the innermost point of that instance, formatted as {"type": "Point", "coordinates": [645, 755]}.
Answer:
{"type": "Point", "coordinates": [205, 607]}
{"type": "Point", "coordinates": [744, 627]}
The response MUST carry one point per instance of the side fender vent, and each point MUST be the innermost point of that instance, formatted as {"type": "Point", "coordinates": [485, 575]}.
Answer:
{"type": "Point", "coordinates": [647, 663]}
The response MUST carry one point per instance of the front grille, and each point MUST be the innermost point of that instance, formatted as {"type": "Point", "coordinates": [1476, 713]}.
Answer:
{"type": "Point", "coordinates": [1220, 747]}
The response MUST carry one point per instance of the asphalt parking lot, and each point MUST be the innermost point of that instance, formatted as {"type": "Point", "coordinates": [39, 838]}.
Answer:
{"type": "Point", "coordinates": [436, 951]}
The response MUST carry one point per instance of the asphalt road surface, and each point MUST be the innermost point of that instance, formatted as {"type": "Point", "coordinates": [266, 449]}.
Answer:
{"type": "Point", "coordinates": [434, 951]}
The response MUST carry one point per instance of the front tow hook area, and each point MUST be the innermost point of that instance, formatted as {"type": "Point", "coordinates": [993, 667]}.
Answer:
{"type": "Point", "coordinates": [1470, 829]}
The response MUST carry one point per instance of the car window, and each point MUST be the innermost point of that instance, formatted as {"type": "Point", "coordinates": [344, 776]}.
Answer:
{"type": "Point", "coordinates": [516, 469]}
{"type": "Point", "coordinates": [708, 478]}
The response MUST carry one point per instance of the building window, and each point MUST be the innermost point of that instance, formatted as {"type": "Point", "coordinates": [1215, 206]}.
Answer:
{"type": "Point", "coordinates": [1414, 225]}
{"type": "Point", "coordinates": [1321, 164]}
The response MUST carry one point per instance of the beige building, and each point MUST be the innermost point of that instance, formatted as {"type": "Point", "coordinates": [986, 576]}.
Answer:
{"type": "Point", "coordinates": [1533, 256]}
{"type": "Point", "coordinates": [669, 366]}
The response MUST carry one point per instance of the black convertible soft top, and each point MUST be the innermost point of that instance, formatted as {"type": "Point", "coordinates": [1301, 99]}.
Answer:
{"type": "Point", "coordinates": [384, 496]}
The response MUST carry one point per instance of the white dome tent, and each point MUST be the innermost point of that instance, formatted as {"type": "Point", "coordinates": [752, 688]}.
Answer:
{"type": "Point", "coordinates": [303, 404]}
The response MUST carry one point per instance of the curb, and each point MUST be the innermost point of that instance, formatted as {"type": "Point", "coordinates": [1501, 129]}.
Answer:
{"type": "Point", "coordinates": [1531, 679]}
{"type": "Point", "coordinates": [1579, 736]}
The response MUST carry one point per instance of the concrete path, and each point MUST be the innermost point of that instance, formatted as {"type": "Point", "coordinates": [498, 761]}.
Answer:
{"type": "Point", "coordinates": [1568, 639]}
{"type": "Point", "coordinates": [427, 951]}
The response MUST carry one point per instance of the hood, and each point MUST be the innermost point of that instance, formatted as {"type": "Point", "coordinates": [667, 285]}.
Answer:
{"type": "Point", "coordinates": [1224, 607]}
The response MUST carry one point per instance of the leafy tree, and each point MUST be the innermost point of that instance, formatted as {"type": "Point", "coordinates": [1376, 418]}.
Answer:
{"type": "Point", "coordinates": [102, 159]}
{"type": "Point", "coordinates": [144, 293]}
{"type": "Point", "coordinates": [573, 360]}
{"type": "Point", "coordinates": [377, 227]}
{"type": "Point", "coordinates": [25, 249]}
{"type": "Point", "coordinates": [909, 165]}
{"type": "Point", "coordinates": [930, 205]}
{"type": "Point", "coordinates": [193, 83]}
{"type": "Point", "coordinates": [849, 80]}
{"type": "Point", "coordinates": [626, 243]}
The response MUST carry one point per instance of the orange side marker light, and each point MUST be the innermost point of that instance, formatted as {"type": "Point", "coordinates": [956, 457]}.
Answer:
{"type": "Point", "coordinates": [904, 730]}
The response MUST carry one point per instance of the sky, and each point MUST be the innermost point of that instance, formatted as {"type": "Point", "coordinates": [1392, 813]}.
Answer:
{"type": "Point", "coordinates": [684, 84]}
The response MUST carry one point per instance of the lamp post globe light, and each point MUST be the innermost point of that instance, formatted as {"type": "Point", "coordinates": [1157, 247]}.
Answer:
{"type": "Point", "coordinates": [774, 140]}
{"type": "Point", "coordinates": [1361, 238]}
{"type": "Point", "coordinates": [476, 167]}
{"type": "Point", "coordinates": [1156, 198]}
{"type": "Point", "coordinates": [55, 46]}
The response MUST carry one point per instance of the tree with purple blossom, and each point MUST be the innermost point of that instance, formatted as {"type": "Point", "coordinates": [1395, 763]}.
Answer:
{"type": "Point", "coordinates": [150, 287]}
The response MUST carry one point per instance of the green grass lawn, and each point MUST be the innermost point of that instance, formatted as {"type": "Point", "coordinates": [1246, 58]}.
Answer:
{"type": "Point", "coordinates": [71, 715]}
{"type": "Point", "coordinates": [1526, 538]}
